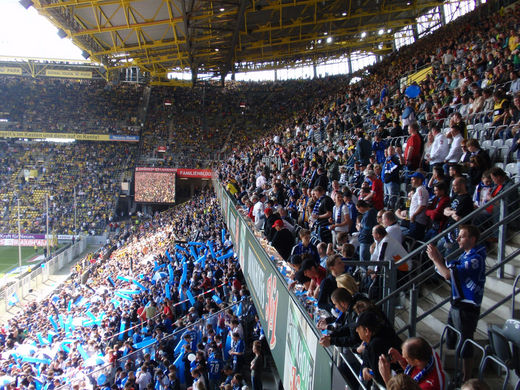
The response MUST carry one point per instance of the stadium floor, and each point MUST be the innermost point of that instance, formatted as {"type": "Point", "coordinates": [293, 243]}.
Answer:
{"type": "Point", "coordinates": [9, 257]}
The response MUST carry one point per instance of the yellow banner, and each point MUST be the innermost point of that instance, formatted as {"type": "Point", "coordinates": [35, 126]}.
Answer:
{"type": "Point", "coordinates": [75, 74]}
{"type": "Point", "coordinates": [34, 134]}
{"type": "Point", "coordinates": [10, 70]}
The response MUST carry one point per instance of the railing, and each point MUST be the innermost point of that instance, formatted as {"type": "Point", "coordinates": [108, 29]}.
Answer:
{"type": "Point", "coordinates": [108, 367]}
{"type": "Point", "coordinates": [416, 281]}
{"type": "Point", "coordinates": [22, 286]}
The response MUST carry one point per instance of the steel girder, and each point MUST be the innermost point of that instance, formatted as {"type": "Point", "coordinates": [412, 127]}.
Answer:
{"type": "Point", "coordinates": [219, 36]}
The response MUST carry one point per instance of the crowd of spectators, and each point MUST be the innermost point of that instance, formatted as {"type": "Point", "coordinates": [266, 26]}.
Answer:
{"type": "Point", "coordinates": [56, 105]}
{"type": "Point", "coordinates": [197, 126]}
{"type": "Point", "coordinates": [356, 169]}
{"type": "Point", "coordinates": [150, 312]}
{"type": "Point", "coordinates": [92, 170]}
{"type": "Point", "coordinates": [388, 169]}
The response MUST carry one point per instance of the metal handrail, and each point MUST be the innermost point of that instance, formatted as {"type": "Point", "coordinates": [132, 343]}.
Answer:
{"type": "Point", "coordinates": [424, 275]}
{"type": "Point", "coordinates": [451, 228]}
{"type": "Point", "coordinates": [517, 279]}
{"type": "Point", "coordinates": [446, 300]}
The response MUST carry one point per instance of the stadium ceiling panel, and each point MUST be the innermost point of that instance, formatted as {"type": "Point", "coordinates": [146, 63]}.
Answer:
{"type": "Point", "coordinates": [222, 36]}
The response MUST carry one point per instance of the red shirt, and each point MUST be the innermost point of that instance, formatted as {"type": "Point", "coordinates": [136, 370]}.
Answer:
{"type": "Point", "coordinates": [377, 198]}
{"type": "Point", "coordinates": [413, 157]}
{"type": "Point", "coordinates": [433, 379]}
{"type": "Point", "coordinates": [322, 273]}
{"type": "Point", "coordinates": [436, 212]}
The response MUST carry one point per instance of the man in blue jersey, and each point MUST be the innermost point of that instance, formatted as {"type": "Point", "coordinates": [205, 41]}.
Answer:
{"type": "Point", "coordinates": [237, 351]}
{"type": "Point", "coordinates": [467, 275]}
{"type": "Point", "coordinates": [215, 367]}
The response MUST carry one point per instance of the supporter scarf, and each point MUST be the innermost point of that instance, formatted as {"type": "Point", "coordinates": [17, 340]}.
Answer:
{"type": "Point", "coordinates": [338, 213]}
{"type": "Point", "coordinates": [478, 191]}
{"type": "Point", "coordinates": [316, 208]}
{"type": "Point", "coordinates": [418, 377]}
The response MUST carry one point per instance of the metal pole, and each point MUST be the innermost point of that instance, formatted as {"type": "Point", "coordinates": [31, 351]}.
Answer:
{"type": "Point", "coordinates": [47, 222]}
{"type": "Point", "coordinates": [74, 233]}
{"type": "Point", "coordinates": [501, 238]}
{"type": "Point", "coordinates": [412, 320]}
{"type": "Point", "coordinates": [392, 285]}
{"type": "Point", "coordinates": [19, 237]}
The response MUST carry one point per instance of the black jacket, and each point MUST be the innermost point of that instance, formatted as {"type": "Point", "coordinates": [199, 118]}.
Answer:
{"type": "Point", "coordinates": [283, 241]}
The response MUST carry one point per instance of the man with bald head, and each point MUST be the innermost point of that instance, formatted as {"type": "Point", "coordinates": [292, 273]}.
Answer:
{"type": "Point", "coordinates": [461, 205]}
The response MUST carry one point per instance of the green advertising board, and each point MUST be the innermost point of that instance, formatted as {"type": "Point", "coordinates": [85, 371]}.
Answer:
{"type": "Point", "coordinates": [303, 364]}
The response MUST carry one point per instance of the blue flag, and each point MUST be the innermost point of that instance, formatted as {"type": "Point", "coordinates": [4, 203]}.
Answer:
{"type": "Point", "coordinates": [179, 364]}
{"type": "Point", "coordinates": [190, 297]}
{"type": "Point", "coordinates": [171, 273]}
{"type": "Point", "coordinates": [167, 291]}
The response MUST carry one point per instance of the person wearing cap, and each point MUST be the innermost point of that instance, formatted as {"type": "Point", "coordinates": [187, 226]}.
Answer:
{"type": "Point", "coordinates": [377, 339]}
{"type": "Point", "coordinates": [316, 273]}
{"type": "Point", "coordinates": [417, 212]}
{"type": "Point", "coordinates": [283, 239]}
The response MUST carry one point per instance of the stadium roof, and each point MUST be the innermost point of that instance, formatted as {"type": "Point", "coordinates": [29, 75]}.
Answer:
{"type": "Point", "coordinates": [222, 36]}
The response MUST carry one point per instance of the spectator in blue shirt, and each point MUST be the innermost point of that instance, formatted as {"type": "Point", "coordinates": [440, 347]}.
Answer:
{"type": "Point", "coordinates": [467, 275]}
{"type": "Point", "coordinates": [237, 351]}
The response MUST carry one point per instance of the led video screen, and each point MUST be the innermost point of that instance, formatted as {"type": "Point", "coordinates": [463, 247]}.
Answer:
{"type": "Point", "coordinates": [155, 185]}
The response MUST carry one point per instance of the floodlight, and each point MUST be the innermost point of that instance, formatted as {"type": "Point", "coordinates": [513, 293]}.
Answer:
{"type": "Point", "coordinates": [61, 33]}
{"type": "Point", "coordinates": [85, 55]}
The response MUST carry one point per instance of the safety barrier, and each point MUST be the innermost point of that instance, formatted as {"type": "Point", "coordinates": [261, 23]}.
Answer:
{"type": "Point", "coordinates": [20, 288]}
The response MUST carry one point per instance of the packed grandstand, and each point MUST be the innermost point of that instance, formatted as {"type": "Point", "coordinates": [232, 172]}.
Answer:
{"type": "Point", "coordinates": [357, 192]}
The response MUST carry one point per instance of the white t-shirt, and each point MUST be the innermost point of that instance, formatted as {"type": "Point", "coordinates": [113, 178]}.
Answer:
{"type": "Point", "coordinates": [439, 150]}
{"type": "Point", "coordinates": [258, 213]}
{"type": "Point", "coordinates": [339, 214]}
{"type": "Point", "coordinates": [260, 181]}
{"type": "Point", "coordinates": [419, 198]}
{"type": "Point", "coordinates": [395, 232]}
{"type": "Point", "coordinates": [388, 249]}
{"type": "Point", "coordinates": [455, 149]}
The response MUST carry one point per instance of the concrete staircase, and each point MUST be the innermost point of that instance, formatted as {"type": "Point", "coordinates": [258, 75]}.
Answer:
{"type": "Point", "coordinates": [436, 290]}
